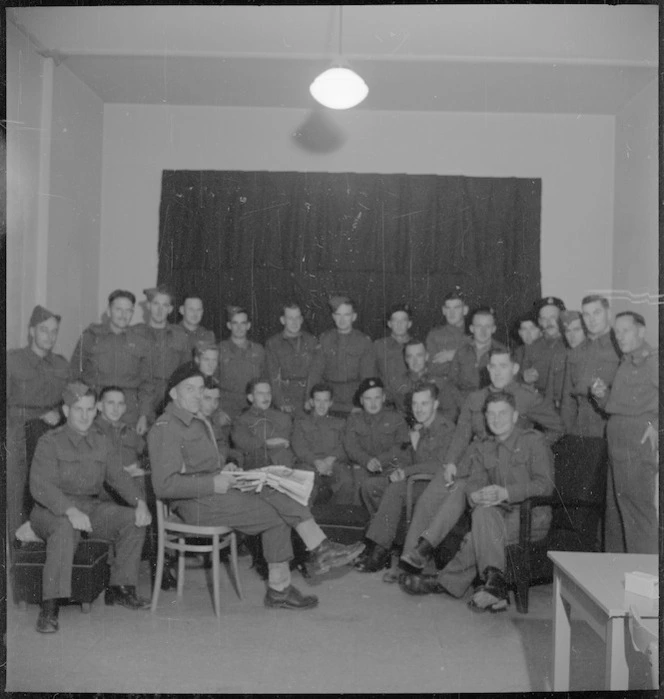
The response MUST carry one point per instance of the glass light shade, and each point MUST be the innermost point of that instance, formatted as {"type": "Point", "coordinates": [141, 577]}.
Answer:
{"type": "Point", "coordinates": [339, 88]}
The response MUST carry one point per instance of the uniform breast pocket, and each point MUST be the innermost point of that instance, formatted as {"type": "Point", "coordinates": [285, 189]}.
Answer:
{"type": "Point", "coordinates": [194, 451]}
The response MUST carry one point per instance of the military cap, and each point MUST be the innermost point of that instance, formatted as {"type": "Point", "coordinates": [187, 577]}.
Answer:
{"type": "Point", "coordinates": [399, 308]}
{"type": "Point", "coordinates": [549, 301]}
{"type": "Point", "coordinates": [203, 346]}
{"type": "Point", "coordinates": [567, 317]}
{"type": "Point", "coordinates": [75, 391]}
{"type": "Point", "coordinates": [456, 293]}
{"type": "Point", "coordinates": [232, 310]}
{"type": "Point", "coordinates": [161, 289]}
{"type": "Point", "coordinates": [40, 314]}
{"type": "Point", "coordinates": [182, 373]}
{"type": "Point", "coordinates": [338, 299]}
{"type": "Point", "coordinates": [365, 385]}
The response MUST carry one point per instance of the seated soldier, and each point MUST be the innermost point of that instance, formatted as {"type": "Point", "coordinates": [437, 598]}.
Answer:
{"type": "Point", "coordinates": [389, 350]}
{"type": "Point", "coordinates": [262, 433]}
{"type": "Point", "coordinates": [416, 359]}
{"type": "Point", "coordinates": [318, 444]}
{"type": "Point", "coordinates": [70, 467]}
{"type": "Point", "coordinates": [211, 411]}
{"type": "Point", "coordinates": [468, 367]}
{"type": "Point", "coordinates": [186, 471]}
{"type": "Point", "coordinates": [442, 504]}
{"type": "Point", "coordinates": [376, 439]}
{"type": "Point", "coordinates": [430, 439]}
{"type": "Point", "coordinates": [505, 469]}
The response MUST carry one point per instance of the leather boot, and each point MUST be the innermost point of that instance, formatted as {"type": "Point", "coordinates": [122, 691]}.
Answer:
{"type": "Point", "coordinates": [419, 556]}
{"type": "Point", "coordinates": [377, 559]}
{"type": "Point", "coordinates": [329, 554]}
{"type": "Point", "coordinates": [125, 596]}
{"type": "Point", "coordinates": [47, 621]}
{"type": "Point", "coordinates": [290, 598]}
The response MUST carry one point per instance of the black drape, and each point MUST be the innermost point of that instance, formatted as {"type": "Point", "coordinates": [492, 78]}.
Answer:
{"type": "Point", "coordinates": [258, 239]}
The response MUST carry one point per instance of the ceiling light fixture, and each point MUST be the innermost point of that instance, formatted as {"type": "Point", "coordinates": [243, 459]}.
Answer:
{"type": "Point", "coordinates": [339, 87]}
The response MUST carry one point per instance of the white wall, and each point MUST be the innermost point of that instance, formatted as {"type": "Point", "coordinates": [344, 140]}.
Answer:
{"type": "Point", "coordinates": [573, 156]}
{"type": "Point", "coordinates": [636, 207]}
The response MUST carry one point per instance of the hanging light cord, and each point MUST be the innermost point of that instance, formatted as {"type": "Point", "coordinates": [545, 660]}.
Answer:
{"type": "Point", "coordinates": [341, 10]}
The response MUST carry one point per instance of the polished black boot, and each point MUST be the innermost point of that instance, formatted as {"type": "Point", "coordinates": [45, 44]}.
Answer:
{"type": "Point", "coordinates": [48, 616]}
{"type": "Point", "coordinates": [377, 559]}
{"type": "Point", "coordinates": [125, 596]}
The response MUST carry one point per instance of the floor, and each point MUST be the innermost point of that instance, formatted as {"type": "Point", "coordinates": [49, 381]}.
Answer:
{"type": "Point", "coordinates": [365, 636]}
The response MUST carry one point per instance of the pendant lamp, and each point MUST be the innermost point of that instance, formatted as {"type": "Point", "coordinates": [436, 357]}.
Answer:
{"type": "Point", "coordinates": [339, 87]}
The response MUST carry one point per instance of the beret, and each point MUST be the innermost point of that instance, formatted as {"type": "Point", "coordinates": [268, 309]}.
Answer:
{"type": "Point", "coordinates": [182, 373]}
{"type": "Point", "coordinates": [74, 391]}
{"type": "Point", "coordinates": [365, 385]}
{"type": "Point", "coordinates": [549, 301]}
{"type": "Point", "coordinates": [569, 316]}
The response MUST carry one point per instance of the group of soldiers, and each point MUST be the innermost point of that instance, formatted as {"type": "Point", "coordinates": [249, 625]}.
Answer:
{"type": "Point", "coordinates": [477, 417]}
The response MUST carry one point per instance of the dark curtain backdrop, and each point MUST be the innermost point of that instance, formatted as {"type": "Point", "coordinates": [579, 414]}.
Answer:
{"type": "Point", "coordinates": [258, 239]}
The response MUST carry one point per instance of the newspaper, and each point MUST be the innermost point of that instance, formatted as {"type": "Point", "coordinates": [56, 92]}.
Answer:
{"type": "Point", "coordinates": [295, 483]}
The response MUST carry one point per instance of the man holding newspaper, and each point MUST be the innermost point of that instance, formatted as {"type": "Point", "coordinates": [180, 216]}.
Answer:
{"type": "Point", "coordinates": [186, 470]}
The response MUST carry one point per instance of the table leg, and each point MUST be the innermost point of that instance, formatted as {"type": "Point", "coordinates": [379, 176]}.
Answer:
{"type": "Point", "coordinates": [617, 672]}
{"type": "Point", "coordinates": [562, 633]}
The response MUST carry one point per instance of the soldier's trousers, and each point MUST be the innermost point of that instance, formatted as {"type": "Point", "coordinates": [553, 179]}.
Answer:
{"type": "Point", "coordinates": [631, 517]}
{"type": "Point", "coordinates": [109, 521]}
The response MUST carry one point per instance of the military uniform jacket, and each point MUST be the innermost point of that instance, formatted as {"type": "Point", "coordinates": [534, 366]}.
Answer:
{"type": "Point", "coordinates": [200, 334]}
{"type": "Point", "coordinates": [183, 455]}
{"type": "Point", "coordinates": [444, 337]}
{"type": "Point", "coordinates": [635, 389]}
{"type": "Point", "coordinates": [169, 348]}
{"type": "Point", "coordinates": [342, 358]}
{"type": "Point", "coordinates": [34, 383]}
{"type": "Point", "coordinates": [449, 397]}
{"type": "Point", "coordinates": [104, 358]}
{"type": "Point", "coordinates": [591, 360]}
{"type": "Point", "coordinates": [69, 467]}
{"type": "Point", "coordinates": [391, 365]}
{"type": "Point", "coordinates": [316, 437]}
{"type": "Point", "coordinates": [253, 427]}
{"type": "Point", "coordinates": [124, 439]}
{"type": "Point", "coordinates": [381, 436]}
{"type": "Point", "coordinates": [468, 372]}
{"type": "Point", "coordinates": [289, 360]}
{"type": "Point", "coordinates": [532, 408]}
{"type": "Point", "coordinates": [432, 446]}
{"type": "Point", "coordinates": [522, 464]}
{"type": "Point", "coordinates": [239, 365]}
{"type": "Point", "coordinates": [548, 357]}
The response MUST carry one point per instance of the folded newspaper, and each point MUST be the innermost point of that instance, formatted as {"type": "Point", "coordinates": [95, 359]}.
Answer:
{"type": "Point", "coordinates": [295, 483]}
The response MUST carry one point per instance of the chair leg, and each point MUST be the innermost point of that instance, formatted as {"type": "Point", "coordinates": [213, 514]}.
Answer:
{"type": "Point", "coordinates": [180, 589]}
{"type": "Point", "coordinates": [521, 590]}
{"type": "Point", "coordinates": [234, 566]}
{"type": "Point", "coordinates": [158, 575]}
{"type": "Point", "coordinates": [215, 574]}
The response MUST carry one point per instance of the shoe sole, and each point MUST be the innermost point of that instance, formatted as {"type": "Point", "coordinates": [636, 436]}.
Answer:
{"type": "Point", "coordinates": [339, 562]}
{"type": "Point", "coordinates": [285, 605]}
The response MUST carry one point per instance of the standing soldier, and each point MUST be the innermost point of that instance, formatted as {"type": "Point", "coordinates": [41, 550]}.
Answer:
{"type": "Point", "coordinates": [169, 346]}
{"type": "Point", "coordinates": [389, 350]}
{"type": "Point", "coordinates": [111, 353]}
{"type": "Point", "coordinates": [191, 311]}
{"type": "Point", "coordinates": [443, 341]}
{"type": "Point", "coordinates": [36, 377]}
{"type": "Point", "coordinates": [240, 361]}
{"type": "Point", "coordinates": [289, 356]}
{"type": "Point", "coordinates": [344, 356]}
{"type": "Point", "coordinates": [632, 430]}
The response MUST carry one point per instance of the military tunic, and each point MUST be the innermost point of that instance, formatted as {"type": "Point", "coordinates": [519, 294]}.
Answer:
{"type": "Point", "coordinates": [104, 358]}
{"type": "Point", "coordinates": [390, 364]}
{"type": "Point", "coordinates": [69, 470]}
{"type": "Point", "coordinates": [548, 357]}
{"type": "Point", "coordinates": [34, 387]}
{"type": "Point", "coordinates": [289, 360]}
{"type": "Point", "coordinates": [449, 397]}
{"type": "Point", "coordinates": [632, 405]}
{"type": "Point", "coordinates": [444, 337]}
{"type": "Point", "coordinates": [468, 372]}
{"type": "Point", "coordinates": [184, 461]}
{"type": "Point", "coordinates": [237, 367]}
{"type": "Point", "coordinates": [169, 348]}
{"type": "Point", "coordinates": [342, 360]}
{"type": "Point", "coordinates": [523, 465]}
{"type": "Point", "coordinates": [252, 428]}
{"type": "Point", "coordinates": [199, 334]}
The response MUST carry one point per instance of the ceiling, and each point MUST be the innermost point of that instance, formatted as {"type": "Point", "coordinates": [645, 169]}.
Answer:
{"type": "Point", "coordinates": [573, 59]}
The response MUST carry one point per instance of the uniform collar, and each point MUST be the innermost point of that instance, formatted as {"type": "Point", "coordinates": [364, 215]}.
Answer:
{"type": "Point", "coordinates": [639, 356]}
{"type": "Point", "coordinates": [35, 359]}
{"type": "Point", "coordinates": [76, 437]}
{"type": "Point", "coordinates": [511, 442]}
{"type": "Point", "coordinates": [183, 415]}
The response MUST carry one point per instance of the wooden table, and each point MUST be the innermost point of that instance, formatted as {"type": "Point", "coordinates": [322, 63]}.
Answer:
{"type": "Point", "coordinates": [593, 585]}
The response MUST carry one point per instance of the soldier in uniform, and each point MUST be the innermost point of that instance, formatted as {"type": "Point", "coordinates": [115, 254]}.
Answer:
{"type": "Point", "coordinates": [572, 328]}
{"type": "Point", "coordinates": [36, 377]}
{"type": "Point", "coordinates": [69, 470]}
{"type": "Point", "coordinates": [506, 468]}
{"type": "Point", "coordinates": [169, 345]}
{"type": "Point", "coordinates": [187, 471]}
{"type": "Point", "coordinates": [191, 311]}
{"type": "Point", "coordinates": [430, 439]}
{"type": "Point", "coordinates": [632, 430]}
{"type": "Point", "coordinates": [344, 356]}
{"type": "Point", "coordinates": [468, 367]}
{"type": "Point", "coordinates": [389, 350]}
{"type": "Point", "coordinates": [111, 353]}
{"type": "Point", "coordinates": [318, 445]}
{"type": "Point", "coordinates": [262, 433]}
{"type": "Point", "coordinates": [240, 361]}
{"type": "Point", "coordinates": [443, 502]}
{"type": "Point", "coordinates": [289, 355]}
{"type": "Point", "coordinates": [377, 439]}
{"type": "Point", "coordinates": [416, 360]}
{"type": "Point", "coordinates": [443, 341]}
